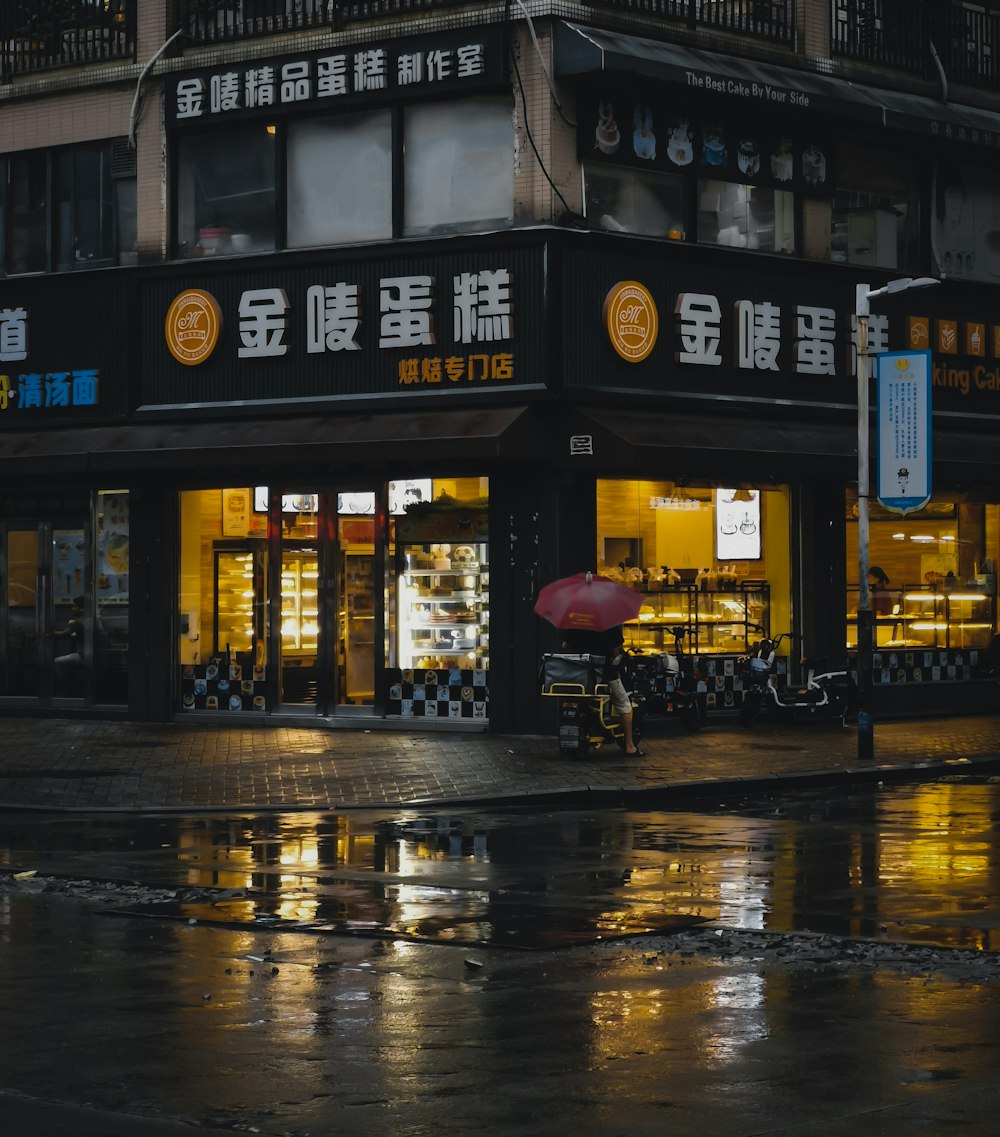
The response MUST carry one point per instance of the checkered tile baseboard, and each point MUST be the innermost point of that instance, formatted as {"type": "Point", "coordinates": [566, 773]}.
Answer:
{"type": "Point", "coordinates": [722, 685]}
{"type": "Point", "coordinates": [221, 686]}
{"type": "Point", "coordinates": [443, 694]}
{"type": "Point", "coordinates": [937, 666]}
{"type": "Point", "coordinates": [724, 689]}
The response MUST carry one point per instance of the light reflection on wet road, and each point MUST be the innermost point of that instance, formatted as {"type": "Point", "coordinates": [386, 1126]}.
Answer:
{"type": "Point", "coordinates": [251, 1018]}
{"type": "Point", "coordinates": [915, 863]}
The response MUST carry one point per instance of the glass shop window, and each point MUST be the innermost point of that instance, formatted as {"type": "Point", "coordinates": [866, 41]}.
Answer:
{"type": "Point", "coordinates": [66, 209]}
{"type": "Point", "coordinates": [85, 209]}
{"type": "Point", "coordinates": [634, 201]}
{"type": "Point", "coordinates": [340, 180]}
{"type": "Point", "coordinates": [458, 166]}
{"type": "Point", "coordinates": [111, 609]}
{"type": "Point", "coordinates": [746, 217]}
{"type": "Point", "coordinates": [226, 191]}
{"type": "Point", "coordinates": [26, 228]}
{"type": "Point", "coordinates": [965, 223]}
{"type": "Point", "coordinates": [874, 216]}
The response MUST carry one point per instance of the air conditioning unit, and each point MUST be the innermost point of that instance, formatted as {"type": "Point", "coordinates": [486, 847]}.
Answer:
{"type": "Point", "coordinates": [871, 238]}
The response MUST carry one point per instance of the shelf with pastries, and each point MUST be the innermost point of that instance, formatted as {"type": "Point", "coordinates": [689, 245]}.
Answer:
{"type": "Point", "coordinates": [714, 620]}
{"type": "Point", "coordinates": [443, 604]}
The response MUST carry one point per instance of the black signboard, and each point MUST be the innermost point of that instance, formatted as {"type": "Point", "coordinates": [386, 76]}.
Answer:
{"type": "Point", "coordinates": [64, 343]}
{"type": "Point", "coordinates": [770, 333]}
{"type": "Point", "coordinates": [446, 62]}
{"type": "Point", "coordinates": [437, 324]}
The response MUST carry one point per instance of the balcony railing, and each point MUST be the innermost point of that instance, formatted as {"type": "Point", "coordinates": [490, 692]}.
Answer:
{"type": "Point", "coordinates": [39, 34]}
{"type": "Point", "coordinates": [768, 19]}
{"type": "Point", "coordinates": [208, 20]}
{"type": "Point", "coordinates": [899, 33]}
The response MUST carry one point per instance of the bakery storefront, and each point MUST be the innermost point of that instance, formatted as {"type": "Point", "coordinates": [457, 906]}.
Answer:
{"type": "Point", "coordinates": [340, 568]}
{"type": "Point", "coordinates": [724, 470]}
{"type": "Point", "coordinates": [328, 602]}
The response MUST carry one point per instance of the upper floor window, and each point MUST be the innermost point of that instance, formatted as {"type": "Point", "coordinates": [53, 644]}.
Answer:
{"type": "Point", "coordinates": [873, 217]}
{"type": "Point", "coordinates": [66, 209]}
{"type": "Point", "coordinates": [965, 227]}
{"type": "Point", "coordinates": [340, 179]}
{"type": "Point", "coordinates": [458, 168]}
{"type": "Point", "coordinates": [226, 190]}
{"type": "Point", "coordinates": [361, 176]}
{"type": "Point", "coordinates": [697, 172]}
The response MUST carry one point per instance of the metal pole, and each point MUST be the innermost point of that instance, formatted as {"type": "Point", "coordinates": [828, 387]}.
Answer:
{"type": "Point", "coordinates": [866, 624]}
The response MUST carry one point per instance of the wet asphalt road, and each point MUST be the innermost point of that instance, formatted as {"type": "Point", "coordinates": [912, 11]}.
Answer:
{"type": "Point", "coordinates": [426, 973]}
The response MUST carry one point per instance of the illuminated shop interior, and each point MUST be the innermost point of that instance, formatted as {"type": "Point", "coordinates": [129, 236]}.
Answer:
{"type": "Point", "coordinates": [713, 559]}
{"type": "Point", "coordinates": [939, 565]}
{"type": "Point", "coordinates": [332, 595]}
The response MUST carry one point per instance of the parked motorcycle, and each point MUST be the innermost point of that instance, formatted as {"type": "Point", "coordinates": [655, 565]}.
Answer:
{"type": "Point", "coordinates": [667, 684]}
{"type": "Point", "coordinates": [824, 694]}
{"type": "Point", "coordinates": [586, 716]}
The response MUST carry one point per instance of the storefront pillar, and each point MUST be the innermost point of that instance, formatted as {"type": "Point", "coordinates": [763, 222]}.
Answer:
{"type": "Point", "coordinates": [152, 604]}
{"type": "Point", "coordinates": [819, 524]}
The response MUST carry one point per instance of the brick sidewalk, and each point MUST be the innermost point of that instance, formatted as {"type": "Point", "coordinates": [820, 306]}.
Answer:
{"type": "Point", "coordinates": [97, 765]}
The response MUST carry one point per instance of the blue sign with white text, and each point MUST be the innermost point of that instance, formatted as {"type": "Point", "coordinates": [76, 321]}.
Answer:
{"type": "Point", "coordinates": [904, 430]}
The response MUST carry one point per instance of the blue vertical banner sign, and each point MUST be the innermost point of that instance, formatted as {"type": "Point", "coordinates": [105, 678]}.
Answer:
{"type": "Point", "coordinates": [904, 430]}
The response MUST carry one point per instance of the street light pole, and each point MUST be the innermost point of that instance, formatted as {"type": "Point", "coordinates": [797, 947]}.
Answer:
{"type": "Point", "coordinates": [866, 618]}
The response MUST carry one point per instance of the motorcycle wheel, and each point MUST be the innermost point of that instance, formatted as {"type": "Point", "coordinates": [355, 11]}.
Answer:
{"type": "Point", "coordinates": [837, 706]}
{"type": "Point", "coordinates": [750, 710]}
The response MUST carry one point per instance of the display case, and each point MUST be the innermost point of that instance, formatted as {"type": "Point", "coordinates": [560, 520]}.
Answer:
{"type": "Point", "coordinates": [935, 616]}
{"type": "Point", "coordinates": [358, 624]}
{"type": "Point", "coordinates": [444, 606]}
{"type": "Point", "coordinates": [239, 580]}
{"type": "Point", "coordinates": [716, 621]}
{"type": "Point", "coordinates": [300, 603]}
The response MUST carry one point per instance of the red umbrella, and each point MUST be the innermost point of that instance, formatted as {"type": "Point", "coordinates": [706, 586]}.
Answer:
{"type": "Point", "coordinates": [594, 603]}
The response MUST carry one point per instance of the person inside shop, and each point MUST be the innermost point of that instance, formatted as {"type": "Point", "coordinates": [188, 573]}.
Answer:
{"type": "Point", "coordinates": [611, 645]}
{"type": "Point", "coordinates": [70, 663]}
{"type": "Point", "coordinates": [878, 585]}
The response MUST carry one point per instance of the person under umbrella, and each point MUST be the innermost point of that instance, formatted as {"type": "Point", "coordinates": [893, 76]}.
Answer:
{"type": "Point", "coordinates": [611, 644]}
{"type": "Point", "coordinates": [590, 611]}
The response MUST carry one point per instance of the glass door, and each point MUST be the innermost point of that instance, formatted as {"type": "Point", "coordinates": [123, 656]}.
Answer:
{"type": "Point", "coordinates": [68, 640]}
{"type": "Point", "coordinates": [302, 662]}
{"type": "Point", "coordinates": [330, 618]}
{"type": "Point", "coordinates": [46, 649]}
{"type": "Point", "coordinates": [358, 614]}
{"type": "Point", "coordinates": [21, 626]}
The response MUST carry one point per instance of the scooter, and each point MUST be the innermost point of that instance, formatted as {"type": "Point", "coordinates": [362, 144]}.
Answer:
{"type": "Point", "coordinates": [667, 683]}
{"type": "Point", "coordinates": [586, 716]}
{"type": "Point", "coordinates": [824, 695]}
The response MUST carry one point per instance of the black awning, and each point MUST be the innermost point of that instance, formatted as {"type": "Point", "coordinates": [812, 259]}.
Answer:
{"type": "Point", "coordinates": [957, 121]}
{"type": "Point", "coordinates": [713, 445]}
{"type": "Point", "coordinates": [443, 435]}
{"type": "Point", "coordinates": [583, 50]}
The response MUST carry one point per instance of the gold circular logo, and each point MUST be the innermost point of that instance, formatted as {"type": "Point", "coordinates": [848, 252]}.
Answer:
{"type": "Point", "coordinates": [631, 319]}
{"type": "Point", "coordinates": [192, 326]}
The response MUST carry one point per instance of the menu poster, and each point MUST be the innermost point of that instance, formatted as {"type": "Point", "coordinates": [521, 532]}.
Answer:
{"type": "Point", "coordinates": [737, 525]}
{"type": "Point", "coordinates": [67, 571]}
{"type": "Point", "coordinates": [113, 549]}
{"type": "Point", "coordinates": [237, 505]}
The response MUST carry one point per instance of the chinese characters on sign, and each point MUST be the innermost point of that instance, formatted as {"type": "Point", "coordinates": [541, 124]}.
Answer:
{"type": "Point", "coordinates": [38, 390]}
{"type": "Point", "coordinates": [328, 77]}
{"type": "Point", "coordinates": [757, 336]}
{"type": "Point", "coordinates": [904, 430]}
{"type": "Point", "coordinates": [481, 313]}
